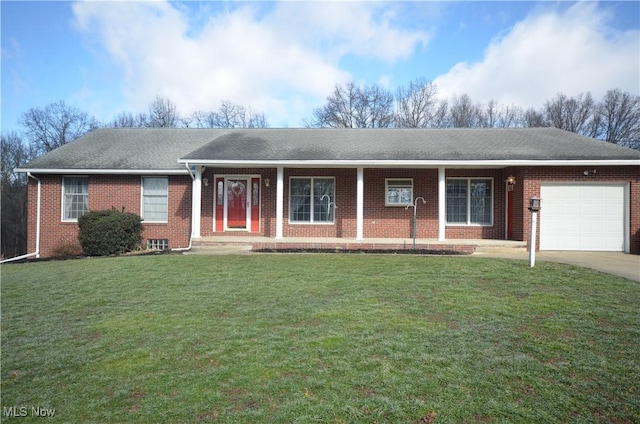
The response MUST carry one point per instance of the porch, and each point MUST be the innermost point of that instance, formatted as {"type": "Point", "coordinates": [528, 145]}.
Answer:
{"type": "Point", "coordinates": [427, 246]}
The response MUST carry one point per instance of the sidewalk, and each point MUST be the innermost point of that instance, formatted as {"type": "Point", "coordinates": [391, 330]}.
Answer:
{"type": "Point", "coordinates": [615, 263]}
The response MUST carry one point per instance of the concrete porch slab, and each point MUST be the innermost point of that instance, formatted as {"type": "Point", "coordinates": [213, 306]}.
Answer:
{"type": "Point", "coordinates": [235, 244]}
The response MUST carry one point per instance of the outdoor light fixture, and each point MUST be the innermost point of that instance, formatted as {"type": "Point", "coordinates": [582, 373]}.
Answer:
{"type": "Point", "coordinates": [587, 172]}
{"type": "Point", "coordinates": [205, 181]}
{"type": "Point", "coordinates": [267, 182]}
{"type": "Point", "coordinates": [535, 204]}
{"type": "Point", "coordinates": [511, 180]}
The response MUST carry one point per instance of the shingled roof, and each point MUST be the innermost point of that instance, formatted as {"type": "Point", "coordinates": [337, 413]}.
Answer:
{"type": "Point", "coordinates": [169, 149]}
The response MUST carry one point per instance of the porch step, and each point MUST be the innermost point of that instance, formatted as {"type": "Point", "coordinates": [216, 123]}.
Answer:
{"type": "Point", "coordinates": [516, 251]}
{"type": "Point", "coordinates": [231, 245]}
{"type": "Point", "coordinates": [212, 248]}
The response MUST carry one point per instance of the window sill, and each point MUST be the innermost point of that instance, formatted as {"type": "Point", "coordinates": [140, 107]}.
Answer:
{"type": "Point", "coordinates": [310, 223]}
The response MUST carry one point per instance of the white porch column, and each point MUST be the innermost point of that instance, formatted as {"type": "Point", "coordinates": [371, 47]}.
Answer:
{"type": "Point", "coordinates": [196, 202]}
{"type": "Point", "coordinates": [360, 204]}
{"type": "Point", "coordinates": [442, 198]}
{"type": "Point", "coordinates": [280, 203]}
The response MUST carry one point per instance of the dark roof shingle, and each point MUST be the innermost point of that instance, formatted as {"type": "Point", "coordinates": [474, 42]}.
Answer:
{"type": "Point", "coordinates": [161, 149]}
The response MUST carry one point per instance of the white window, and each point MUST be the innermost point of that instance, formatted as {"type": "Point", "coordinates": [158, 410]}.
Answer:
{"type": "Point", "coordinates": [154, 199]}
{"type": "Point", "coordinates": [311, 200]}
{"type": "Point", "coordinates": [470, 201]}
{"type": "Point", "coordinates": [399, 192]}
{"type": "Point", "coordinates": [75, 197]}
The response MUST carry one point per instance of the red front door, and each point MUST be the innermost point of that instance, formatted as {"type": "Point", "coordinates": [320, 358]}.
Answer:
{"type": "Point", "coordinates": [236, 203]}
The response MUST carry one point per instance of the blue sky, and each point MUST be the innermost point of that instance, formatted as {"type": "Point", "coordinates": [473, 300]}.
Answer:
{"type": "Point", "coordinates": [284, 58]}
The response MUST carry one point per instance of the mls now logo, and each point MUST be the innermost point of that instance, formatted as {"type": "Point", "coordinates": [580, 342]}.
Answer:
{"type": "Point", "coordinates": [14, 411]}
{"type": "Point", "coordinates": [23, 411]}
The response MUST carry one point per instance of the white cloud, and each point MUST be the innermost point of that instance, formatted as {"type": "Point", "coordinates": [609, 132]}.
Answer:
{"type": "Point", "coordinates": [280, 60]}
{"type": "Point", "coordinates": [549, 52]}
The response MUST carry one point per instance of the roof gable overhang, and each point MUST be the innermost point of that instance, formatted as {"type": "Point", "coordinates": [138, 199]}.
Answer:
{"type": "Point", "coordinates": [96, 171]}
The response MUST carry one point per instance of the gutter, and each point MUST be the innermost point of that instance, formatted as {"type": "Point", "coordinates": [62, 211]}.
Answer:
{"type": "Point", "coordinates": [383, 163]}
{"type": "Point", "coordinates": [184, 249]}
{"type": "Point", "coordinates": [98, 171]}
{"type": "Point", "coordinates": [37, 252]}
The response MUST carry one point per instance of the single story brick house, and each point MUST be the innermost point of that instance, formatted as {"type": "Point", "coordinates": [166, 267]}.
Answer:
{"type": "Point", "coordinates": [348, 184]}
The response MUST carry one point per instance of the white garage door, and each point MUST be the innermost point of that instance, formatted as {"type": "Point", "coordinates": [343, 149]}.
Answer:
{"type": "Point", "coordinates": [583, 217]}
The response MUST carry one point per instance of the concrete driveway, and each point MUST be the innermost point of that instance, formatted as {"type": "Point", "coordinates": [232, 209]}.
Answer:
{"type": "Point", "coordinates": [615, 263]}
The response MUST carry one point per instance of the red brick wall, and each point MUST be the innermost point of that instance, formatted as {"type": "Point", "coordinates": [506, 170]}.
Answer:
{"type": "Point", "coordinates": [267, 199]}
{"type": "Point", "coordinates": [105, 192]}
{"type": "Point", "coordinates": [344, 224]}
{"type": "Point", "coordinates": [498, 229]}
{"type": "Point", "coordinates": [380, 221]}
{"type": "Point", "coordinates": [532, 177]}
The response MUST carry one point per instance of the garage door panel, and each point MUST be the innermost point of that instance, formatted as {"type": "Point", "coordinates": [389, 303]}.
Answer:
{"type": "Point", "coordinates": [582, 217]}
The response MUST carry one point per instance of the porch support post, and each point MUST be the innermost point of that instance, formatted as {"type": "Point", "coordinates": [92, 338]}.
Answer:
{"type": "Point", "coordinates": [280, 203]}
{"type": "Point", "coordinates": [196, 202]}
{"type": "Point", "coordinates": [442, 197]}
{"type": "Point", "coordinates": [360, 204]}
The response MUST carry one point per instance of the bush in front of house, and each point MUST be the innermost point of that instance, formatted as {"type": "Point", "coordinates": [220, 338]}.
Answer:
{"type": "Point", "coordinates": [109, 232]}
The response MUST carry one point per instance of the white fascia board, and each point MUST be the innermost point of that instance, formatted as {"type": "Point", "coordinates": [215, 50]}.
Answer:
{"type": "Point", "coordinates": [411, 163]}
{"type": "Point", "coordinates": [95, 171]}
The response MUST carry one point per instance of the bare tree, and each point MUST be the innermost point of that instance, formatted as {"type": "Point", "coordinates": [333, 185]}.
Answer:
{"type": "Point", "coordinates": [229, 115]}
{"type": "Point", "coordinates": [340, 109]}
{"type": "Point", "coordinates": [619, 118]}
{"type": "Point", "coordinates": [55, 125]}
{"type": "Point", "coordinates": [13, 202]}
{"type": "Point", "coordinates": [163, 113]}
{"type": "Point", "coordinates": [355, 107]}
{"type": "Point", "coordinates": [511, 117]}
{"type": "Point", "coordinates": [464, 113]}
{"type": "Point", "coordinates": [495, 115]}
{"type": "Point", "coordinates": [257, 120]}
{"type": "Point", "coordinates": [441, 118]}
{"type": "Point", "coordinates": [417, 106]}
{"type": "Point", "coordinates": [534, 118]}
{"type": "Point", "coordinates": [128, 120]}
{"type": "Point", "coordinates": [374, 107]}
{"type": "Point", "coordinates": [573, 114]}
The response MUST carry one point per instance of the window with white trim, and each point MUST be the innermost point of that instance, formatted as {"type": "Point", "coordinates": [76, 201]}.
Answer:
{"type": "Point", "coordinates": [399, 192]}
{"type": "Point", "coordinates": [470, 201]}
{"type": "Point", "coordinates": [312, 200]}
{"type": "Point", "coordinates": [154, 199]}
{"type": "Point", "coordinates": [75, 197]}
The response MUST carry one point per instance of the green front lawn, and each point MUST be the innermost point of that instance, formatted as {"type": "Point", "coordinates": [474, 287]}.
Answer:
{"type": "Point", "coordinates": [334, 338]}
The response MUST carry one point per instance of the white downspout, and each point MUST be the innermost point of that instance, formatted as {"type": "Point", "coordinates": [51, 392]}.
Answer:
{"type": "Point", "coordinates": [442, 198]}
{"type": "Point", "coordinates": [360, 203]}
{"type": "Point", "coordinates": [37, 252]}
{"type": "Point", "coordinates": [280, 203]}
{"type": "Point", "coordinates": [183, 249]}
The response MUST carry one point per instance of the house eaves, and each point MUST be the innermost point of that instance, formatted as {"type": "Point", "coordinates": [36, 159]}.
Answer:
{"type": "Point", "coordinates": [93, 171]}
{"type": "Point", "coordinates": [406, 163]}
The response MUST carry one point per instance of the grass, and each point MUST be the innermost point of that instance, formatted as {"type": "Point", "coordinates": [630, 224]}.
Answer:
{"type": "Point", "coordinates": [318, 339]}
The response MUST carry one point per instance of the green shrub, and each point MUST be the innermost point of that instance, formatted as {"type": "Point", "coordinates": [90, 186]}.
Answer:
{"type": "Point", "coordinates": [109, 232]}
